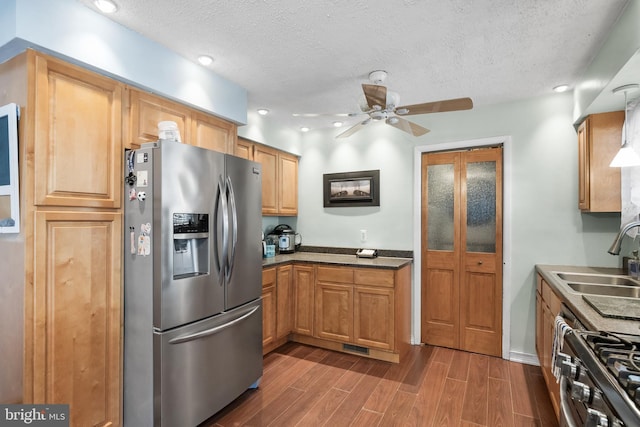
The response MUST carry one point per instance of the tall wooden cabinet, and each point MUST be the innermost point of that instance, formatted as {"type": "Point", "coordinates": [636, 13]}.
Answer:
{"type": "Point", "coordinates": [70, 154]}
{"type": "Point", "coordinates": [599, 139]}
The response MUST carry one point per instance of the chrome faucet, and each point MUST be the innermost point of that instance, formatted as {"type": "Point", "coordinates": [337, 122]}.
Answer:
{"type": "Point", "coordinates": [615, 247]}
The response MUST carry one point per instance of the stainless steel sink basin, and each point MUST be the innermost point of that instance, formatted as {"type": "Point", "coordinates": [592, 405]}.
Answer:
{"type": "Point", "coordinates": [598, 279]}
{"type": "Point", "coordinates": [630, 291]}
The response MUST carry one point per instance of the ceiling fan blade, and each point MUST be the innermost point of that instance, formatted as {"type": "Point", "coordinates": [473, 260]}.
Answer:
{"type": "Point", "coordinates": [406, 126]}
{"type": "Point", "coordinates": [322, 114]}
{"type": "Point", "coordinates": [353, 129]}
{"type": "Point", "coordinates": [376, 95]}
{"type": "Point", "coordinates": [436, 107]}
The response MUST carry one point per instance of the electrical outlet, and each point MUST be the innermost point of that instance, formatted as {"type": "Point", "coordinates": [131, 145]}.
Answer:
{"type": "Point", "coordinates": [363, 236]}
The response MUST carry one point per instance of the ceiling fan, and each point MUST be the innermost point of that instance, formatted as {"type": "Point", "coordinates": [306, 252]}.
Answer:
{"type": "Point", "coordinates": [382, 104]}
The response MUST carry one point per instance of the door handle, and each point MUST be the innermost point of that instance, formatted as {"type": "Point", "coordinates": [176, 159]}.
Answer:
{"type": "Point", "coordinates": [212, 331]}
{"type": "Point", "coordinates": [234, 227]}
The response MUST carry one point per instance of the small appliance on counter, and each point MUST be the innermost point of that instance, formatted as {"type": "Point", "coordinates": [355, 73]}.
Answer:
{"type": "Point", "coordinates": [286, 238]}
{"type": "Point", "coordinates": [367, 253]}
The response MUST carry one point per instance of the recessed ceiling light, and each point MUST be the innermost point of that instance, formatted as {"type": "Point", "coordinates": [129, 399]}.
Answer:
{"type": "Point", "coordinates": [304, 129]}
{"type": "Point", "coordinates": [337, 124]}
{"type": "Point", "coordinates": [105, 6]}
{"type": "Point", "coordinates": [263, 111]}
{"type": "Point", "coordinates": [561, 88]}
{"type": "Point", "coordinates": [205, 60]}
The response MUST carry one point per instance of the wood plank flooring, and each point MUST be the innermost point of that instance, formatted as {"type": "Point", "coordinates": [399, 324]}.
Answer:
{"type": "Point", "coordinates": [433, 386]}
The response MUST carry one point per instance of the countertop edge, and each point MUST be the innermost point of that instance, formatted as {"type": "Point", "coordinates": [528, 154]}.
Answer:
{"type": "Point", "coordinates": [337, 259]}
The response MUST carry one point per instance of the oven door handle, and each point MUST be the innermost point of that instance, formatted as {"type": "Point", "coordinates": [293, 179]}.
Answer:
{"type": "Point", "coordinates": [565, 410]}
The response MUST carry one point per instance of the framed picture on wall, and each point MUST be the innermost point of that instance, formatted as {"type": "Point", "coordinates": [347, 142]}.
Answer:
{"type": "Point", "coordinates": [350, 189]}
{"type": "Point", "coordinates": [9, 176]}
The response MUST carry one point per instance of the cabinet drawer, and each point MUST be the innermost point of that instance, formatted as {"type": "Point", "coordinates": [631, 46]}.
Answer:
{"type": "Point", "coordinates": [374, 276]}
{"type": "Point", "coordinates": [268, 277]}
{"type": "Point", "coordinates": [335, 274]}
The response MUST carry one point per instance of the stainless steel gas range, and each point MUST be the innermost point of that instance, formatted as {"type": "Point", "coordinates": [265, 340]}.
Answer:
{"type": "Point", "coordinates": [600, 379]}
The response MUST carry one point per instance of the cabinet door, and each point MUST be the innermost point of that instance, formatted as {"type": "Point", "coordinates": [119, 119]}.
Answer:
{"type": "Point", "coordinates": [287, 184]}
{"type": "Point", "coordinates": [75, 328]}
{"type": "Point", "coordinates": [583, 166]}
{"type": "Point", "coordinates": [146, 110]}
{"type": "Point", "coordinates": [283, 301]}
{"type": "Point", "coordinates": [334, 311]}
{"type": "Point", "coordinates": [268, 158]}
{"type": "Point", "coordinates": [244, 149]}
{"type": "Point", "coordinates": [78, 137]}
{"type": "Point", "coordinates": [268, 315]}
{"type": "Point", "coordinates": [374, 317]}
{"type": "Point", "coordinates": [303, 299]}
{"type": "Point", "coordinates": [212, 133]}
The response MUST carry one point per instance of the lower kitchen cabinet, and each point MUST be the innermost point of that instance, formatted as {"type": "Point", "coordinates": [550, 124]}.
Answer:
{"type": "Point", "coordinates": [334, 311]}
{"type": "Point", "coordinates": [268, 308]}
{"type": "Point", "coordinates": [276, 306]}
{"type": "Point", "coordinates": [303, 299]}
{"type": "Point", "coordinates": [365, 311]}
{"type": "Point", "coordinates": [548, 305]}
{"type": "Point", "coordinates": [284, 276]}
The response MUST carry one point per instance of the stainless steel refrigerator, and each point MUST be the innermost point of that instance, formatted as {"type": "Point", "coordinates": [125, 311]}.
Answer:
{"type": "Point", "coordinates": [192, 283]}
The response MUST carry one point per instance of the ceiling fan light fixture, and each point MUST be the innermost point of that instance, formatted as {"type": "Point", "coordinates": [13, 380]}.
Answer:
{"type": "Point", "coordinates": [402, 111]}
{"type": "Point", "coordinates": [377, 77]}
{"type": "Point", "coordinates": [393, 120]}
{"type": "Point", "coordinates": [105, 6]}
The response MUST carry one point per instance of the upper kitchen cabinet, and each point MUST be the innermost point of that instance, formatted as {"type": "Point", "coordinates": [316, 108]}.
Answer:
{"type": "Point", "coordinates": [146, 110]}
{"type": "Point", "coordinates": [279, 177]}
{"type": "Point", "coordinates": [599, 139]}
{"type": "Point", "coordinates": [78, 136]}
{"type": "Point", "coordinates": [213, 133]}
{"type": "Point", "coordinates": [196, 128]}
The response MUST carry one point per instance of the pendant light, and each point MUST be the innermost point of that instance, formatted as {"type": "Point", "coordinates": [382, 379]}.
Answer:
{"type": "Point", "coordinates": [627, 156]}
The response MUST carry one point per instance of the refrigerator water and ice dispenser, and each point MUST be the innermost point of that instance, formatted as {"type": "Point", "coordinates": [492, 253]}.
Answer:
{"type": "Point", "coordinates": [190, 245]}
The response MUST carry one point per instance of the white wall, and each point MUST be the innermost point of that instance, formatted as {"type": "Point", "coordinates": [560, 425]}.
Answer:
{"type": "Point", "coordinates": [547, 227]}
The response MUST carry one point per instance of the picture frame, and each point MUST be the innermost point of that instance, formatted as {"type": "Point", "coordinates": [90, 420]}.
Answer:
{"type": "Point", "coordinates": [349, 189]}
{"type": "Point", "coordinates": [9, 176]}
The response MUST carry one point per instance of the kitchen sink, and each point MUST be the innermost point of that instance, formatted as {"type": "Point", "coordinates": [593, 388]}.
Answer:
{"type": "Point", "coordinates": [597, 279]}
{"type": "Point", "coordinates": [629, 291]}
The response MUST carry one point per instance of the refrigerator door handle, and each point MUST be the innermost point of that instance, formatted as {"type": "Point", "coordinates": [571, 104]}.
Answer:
{"type": "Point", "coordinates": [190, 337]}
{"type": "Point", "coordinates": [234, 227]}
{"type": "Point", "coordinates": [222, 258]}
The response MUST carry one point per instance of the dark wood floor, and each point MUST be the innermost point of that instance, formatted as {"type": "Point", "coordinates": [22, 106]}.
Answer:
{"type": "Point", "coordinates": [307, 386]}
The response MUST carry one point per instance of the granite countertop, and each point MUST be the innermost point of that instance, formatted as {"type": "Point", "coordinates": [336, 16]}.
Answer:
{"type": "Point", "coordinates": [336, 259]}
{"type": "Point", "coordinates": [589, 316]}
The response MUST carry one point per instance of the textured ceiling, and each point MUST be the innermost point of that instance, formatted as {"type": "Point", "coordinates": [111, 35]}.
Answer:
{"type": "Point", "coordinates": [297, 56]}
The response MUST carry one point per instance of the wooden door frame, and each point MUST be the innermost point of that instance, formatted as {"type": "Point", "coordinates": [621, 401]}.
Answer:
{"type": "Point", "coordinates": [505, 141]}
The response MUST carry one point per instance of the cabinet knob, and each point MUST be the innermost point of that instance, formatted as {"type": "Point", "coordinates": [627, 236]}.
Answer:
{"type": "Point", "coordinates": [479, 262]}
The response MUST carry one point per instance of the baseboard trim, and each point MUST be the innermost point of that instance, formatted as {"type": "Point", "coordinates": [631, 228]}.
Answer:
{"type": "Point", "coordinates": [526, 358]}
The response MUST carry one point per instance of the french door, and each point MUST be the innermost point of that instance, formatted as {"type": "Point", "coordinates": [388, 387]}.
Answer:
{"type": "Point", "coordinates": [462, 250]}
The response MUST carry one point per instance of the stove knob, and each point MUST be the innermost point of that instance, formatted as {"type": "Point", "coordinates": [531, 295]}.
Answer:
{"type": "Point", "coordinates": [569, 369]}
{"type": "Point", "coordinates": [580, 392]}
{"type": "Point", "coordinates": [596, 418]}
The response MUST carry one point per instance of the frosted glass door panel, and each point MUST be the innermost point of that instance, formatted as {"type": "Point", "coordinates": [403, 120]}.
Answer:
{"type": "Point", "coordinates": [481, 207]}
{"type": "Point", "coordinates": [440, 190]}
